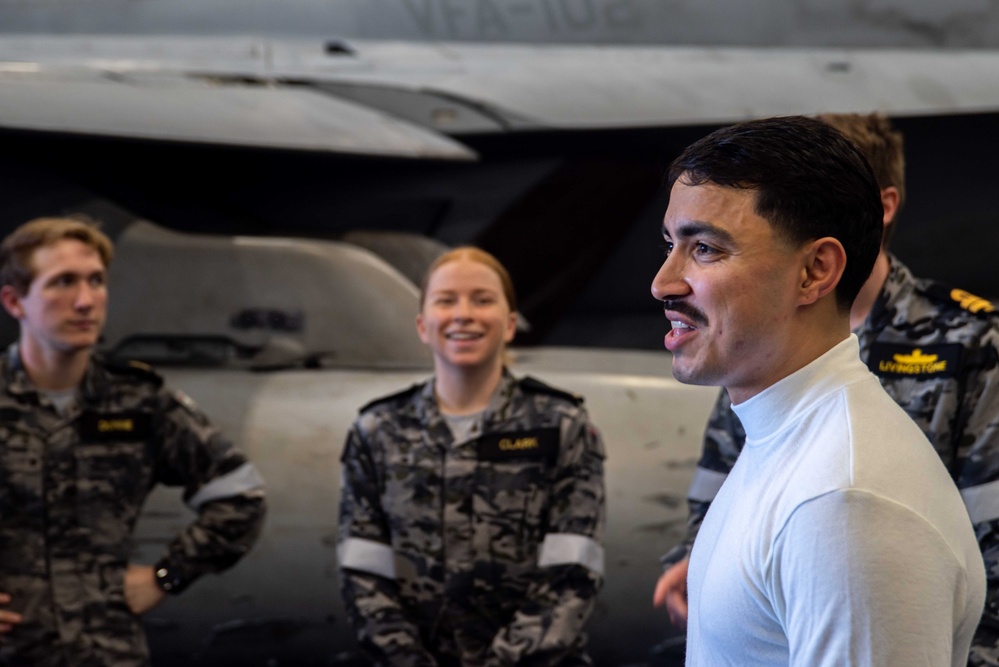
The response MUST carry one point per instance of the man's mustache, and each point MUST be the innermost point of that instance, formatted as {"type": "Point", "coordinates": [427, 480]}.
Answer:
{"type": "Point", "coordinates": [685, 308]}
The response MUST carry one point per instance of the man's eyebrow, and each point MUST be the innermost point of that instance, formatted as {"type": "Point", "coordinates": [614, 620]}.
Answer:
{"type": "Point", "coordinates": [77, 274]}
{"type": "Point", "coordinates": [691, 228]}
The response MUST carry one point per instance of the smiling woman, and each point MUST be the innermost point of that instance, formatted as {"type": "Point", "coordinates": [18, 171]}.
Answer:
{"type": "Point", "coordinates": [472, 505]}
{"type": "Point", "coordinates": [467, 317]}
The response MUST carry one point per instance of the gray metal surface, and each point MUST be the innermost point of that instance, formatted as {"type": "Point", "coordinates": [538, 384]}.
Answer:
{"type": "Point", "coordinates": [757, 22]}
{"type": "Point", "coordinates": [105, 103]}
{"type": "Point", "coordinates": [275, 302]}
{"type": "Point", "coordinates": [404, 98]}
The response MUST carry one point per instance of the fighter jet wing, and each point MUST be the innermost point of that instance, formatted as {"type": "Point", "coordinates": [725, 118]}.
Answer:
{"type": "Point", "coordinates": [582, 87]}
{"type": "Point", "coordinates": [95, 97]}
{"type": "Point", "coordinates": [415, 100]}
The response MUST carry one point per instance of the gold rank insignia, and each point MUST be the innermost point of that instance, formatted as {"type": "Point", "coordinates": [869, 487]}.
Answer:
{"type": "Point", "coordinates": [972, 303]}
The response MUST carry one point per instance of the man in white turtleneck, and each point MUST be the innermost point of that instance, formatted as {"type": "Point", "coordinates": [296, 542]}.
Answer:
{"type": "Point", "coordinates": [838, 538]}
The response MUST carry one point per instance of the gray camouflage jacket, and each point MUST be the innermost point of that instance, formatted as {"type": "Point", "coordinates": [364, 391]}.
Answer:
{"type": "Point", "coordinates": [478, 553]}
{"type": "Point", "coordinates": [936, 352]}
{"type": "Point", "coordinates": [71, 488]}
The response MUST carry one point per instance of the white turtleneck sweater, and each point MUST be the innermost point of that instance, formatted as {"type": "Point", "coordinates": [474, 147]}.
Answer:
{"type": "Point", "coordinates": [837, 539]}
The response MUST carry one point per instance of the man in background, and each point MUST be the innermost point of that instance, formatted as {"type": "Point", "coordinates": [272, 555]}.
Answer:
{"type": "Point", "coordinates": [82, 443]}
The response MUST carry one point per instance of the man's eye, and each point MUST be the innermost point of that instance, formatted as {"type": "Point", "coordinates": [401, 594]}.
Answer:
{"type": "Point", "coordinates": [97, 281]}
{"type": "Point", "coordinates": [64, 281]}
{"type": "Point", "coordinates": [667, 248]}
{"type": "Point", "coordinates": [704, 249]}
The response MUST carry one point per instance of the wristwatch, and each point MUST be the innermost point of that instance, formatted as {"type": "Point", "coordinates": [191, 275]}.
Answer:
{"type": "Point", "coordinates": [168, 578]}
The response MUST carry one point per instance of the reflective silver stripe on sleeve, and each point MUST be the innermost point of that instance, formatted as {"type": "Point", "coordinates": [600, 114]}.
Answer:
{"type": "Point", "coordinates": [357, 553]}
{"type": "Point", "coordinates": [982, 501]}
{"type": "Point", "coordinates": [704, 487]}
{"type": "Point", "coordinates": [569, 549]}
{"type": "Point", "coordinates": [242, 479]}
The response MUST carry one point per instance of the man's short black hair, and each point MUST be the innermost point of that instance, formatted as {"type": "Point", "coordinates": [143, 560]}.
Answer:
{"type": "Point", "coordinates": [810, 182]}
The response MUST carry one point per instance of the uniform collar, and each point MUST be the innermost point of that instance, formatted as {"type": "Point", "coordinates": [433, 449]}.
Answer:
{"type": "Point", "coordinates": [496, 412]}
{"type": "Point", "coordinates": [94, 384]}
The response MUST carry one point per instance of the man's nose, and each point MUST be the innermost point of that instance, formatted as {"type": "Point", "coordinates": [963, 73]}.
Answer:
{"type": "Point", "coordinates": [669, 282]}
{"type": "Point", "coordinates": [85, 296]}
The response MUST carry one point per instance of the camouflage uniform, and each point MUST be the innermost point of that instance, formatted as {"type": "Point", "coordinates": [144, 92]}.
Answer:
{"type": "Point", "coordinates": [71, 487]}
{"type": "Point", "coordinates": [936, 353]}
{"type": "Point", "coordinates": [477, 553]}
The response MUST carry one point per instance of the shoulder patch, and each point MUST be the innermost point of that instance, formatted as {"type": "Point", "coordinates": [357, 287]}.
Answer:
{"type": "Point", "coordinates": [135, 369]}
{"type": "Point", "coordinates": [405, 393]}
{"type": "Point", "coordinates": [534, 385]}
{"type": "Point", "coordinates": [965, 300]}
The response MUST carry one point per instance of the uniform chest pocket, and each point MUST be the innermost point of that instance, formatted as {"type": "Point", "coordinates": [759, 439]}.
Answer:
{"type": "Point", "coordinates": [920, 398]}
{"type": "Point", "coordinates": [517, 460]}
{"type": "Point", "coordinates": [513, 487]}
{"type": "Point", "coordinates": [510, 505]}
{"type": "Point", "coordinates": [113, 457]}
{"type": "Point", "coordinates": [512, 482]}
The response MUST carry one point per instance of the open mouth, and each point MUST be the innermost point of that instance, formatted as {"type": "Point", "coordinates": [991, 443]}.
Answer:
{"type": "Point", "coordinates": [463, 335]}
{"type": "Point", "coordinates": [680, 331]}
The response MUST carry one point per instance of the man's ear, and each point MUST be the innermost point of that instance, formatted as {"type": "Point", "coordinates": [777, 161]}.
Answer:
{"type": "Point", "coordinates": [824, 263]}
{"type": "Point", "coordinates": [890, 203]}
{"type": "Point", "coordinates": [11, 302]}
